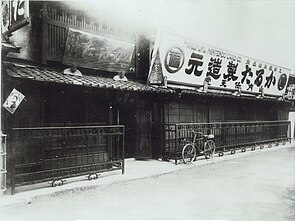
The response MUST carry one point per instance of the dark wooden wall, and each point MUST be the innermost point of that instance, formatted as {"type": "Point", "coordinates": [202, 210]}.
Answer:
{"type": "Point", "coordinates": [222, 110]}
{"type": "Point", "coordinates": [29, 113]}
{"type": "Point", "coordinates": [71, 105]}
{"type": "Point", "coordinates": [48, 104]}
{"type": "Point", "coordinates": [178, 111]}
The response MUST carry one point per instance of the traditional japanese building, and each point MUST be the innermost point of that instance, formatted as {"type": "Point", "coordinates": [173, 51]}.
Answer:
{"type": "Point", "coordinates": [76, 122]}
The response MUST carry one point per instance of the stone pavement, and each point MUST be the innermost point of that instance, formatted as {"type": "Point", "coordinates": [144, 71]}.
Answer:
{"type": "Point", "coordinates": [134, 169]}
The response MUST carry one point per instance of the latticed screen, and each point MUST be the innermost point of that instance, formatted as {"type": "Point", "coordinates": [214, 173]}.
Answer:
{"type": "Point", "coordinates": [185, 112]}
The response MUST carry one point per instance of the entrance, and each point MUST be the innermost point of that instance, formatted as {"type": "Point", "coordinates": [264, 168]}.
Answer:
{"type": "Point", "coordinates": [138, 123]}
{"type": "Point", "coordinates": [127, 117]}
{"type": "Point", "coordinates": [144, 120]}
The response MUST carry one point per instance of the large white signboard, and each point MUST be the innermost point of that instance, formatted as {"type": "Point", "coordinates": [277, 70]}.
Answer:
{"type": "Point", "coordinates": [187, 62]}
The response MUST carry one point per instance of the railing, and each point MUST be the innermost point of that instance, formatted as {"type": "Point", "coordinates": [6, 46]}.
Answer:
{"type": "Point", "coordinates": [55, 153]}
{"type": "Point", "coordinates": [228, 135]}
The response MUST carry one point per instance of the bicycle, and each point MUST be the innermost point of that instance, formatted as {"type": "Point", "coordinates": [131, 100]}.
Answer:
{"type": "Point", "coordinates": [208, 148]}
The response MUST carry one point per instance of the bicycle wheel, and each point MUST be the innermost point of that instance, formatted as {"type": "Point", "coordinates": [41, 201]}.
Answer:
{"type": "Point", "coordinates": [209, 149]}
{"type": "Point", "coordinates": [188, 153]}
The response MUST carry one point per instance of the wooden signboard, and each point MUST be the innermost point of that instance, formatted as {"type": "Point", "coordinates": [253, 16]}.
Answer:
{"type": "Point", "coordinates": [97, 52]}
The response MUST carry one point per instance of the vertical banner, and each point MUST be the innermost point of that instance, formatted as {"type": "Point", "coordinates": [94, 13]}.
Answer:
{"type": "Point", "coordinates": [188, 62]}
{"type": "Point", "coordinates": [19, 12]}
{"type": "Point", "coordinates": [15, 14]}
{"type": "Point", "coordinates": [5, 6]}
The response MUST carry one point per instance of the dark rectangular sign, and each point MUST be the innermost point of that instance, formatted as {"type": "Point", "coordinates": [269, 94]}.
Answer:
{"type": "Point", "coordinates": [97, 52]}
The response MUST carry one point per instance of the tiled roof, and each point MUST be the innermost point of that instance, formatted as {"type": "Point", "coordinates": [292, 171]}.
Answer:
{"type": "Point", "coordinates": [57, 76]}
{"type": "Point", "coordinates": [52, 75]}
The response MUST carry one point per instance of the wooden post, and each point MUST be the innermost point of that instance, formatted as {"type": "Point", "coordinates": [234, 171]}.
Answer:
{"type": "Point", "coordinates": [45, 36]}
{"type": "Point", "coordinates": [176, 159]}
{"type": "Point", "coordinates": [123, 150]}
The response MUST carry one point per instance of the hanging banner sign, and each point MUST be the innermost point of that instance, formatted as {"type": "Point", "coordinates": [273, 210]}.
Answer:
{"type": "Point", "coordinates": [15, 14]}
{"type": "Point", "coordinates": [13, 101]}
{"type": "Point", "coordinates": [97, 52]}
{"type": "Point", "coordinates": [5, 4]}
{"type": "Point", "coordinates": [190, 63]}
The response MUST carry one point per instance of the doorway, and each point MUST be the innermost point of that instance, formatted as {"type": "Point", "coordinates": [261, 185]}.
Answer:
{"type": "Point", "coordinates": [127, 116]}
{"type": "Point", "coordinates": [143, 150]}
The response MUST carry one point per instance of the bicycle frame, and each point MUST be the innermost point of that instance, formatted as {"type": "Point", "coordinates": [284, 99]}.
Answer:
{"type": "Point", "coordinates": [198, 143]}
{"type": "Point", "coordinates": [193, 147]}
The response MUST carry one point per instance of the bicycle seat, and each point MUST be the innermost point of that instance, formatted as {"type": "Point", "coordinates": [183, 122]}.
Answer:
{"type": "Point", "coordinates": [210, 136]}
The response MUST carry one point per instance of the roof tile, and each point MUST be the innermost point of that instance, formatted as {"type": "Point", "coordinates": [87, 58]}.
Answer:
{"type": "Point", "coordinates": [50, 75]}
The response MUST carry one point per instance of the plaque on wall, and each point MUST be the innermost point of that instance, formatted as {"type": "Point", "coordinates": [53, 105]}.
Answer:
{"type": "Point", "coordinates": [13, 101]}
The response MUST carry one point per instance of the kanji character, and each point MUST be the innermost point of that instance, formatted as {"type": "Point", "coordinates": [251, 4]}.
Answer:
{"type": "Point", "coordinates": [214, 68]}
{"type": "Point", "coordinates": [194, 62]}
{"type": "Point", "coordinates": [238, 85]}
{"type": "Point", "coordinates": [223, 83]}
{"type": "Point", "coordinates": [231, 70]}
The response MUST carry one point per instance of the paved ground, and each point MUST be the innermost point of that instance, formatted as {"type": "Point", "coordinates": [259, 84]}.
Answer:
{"type": "Point", "coordinates": [257, 186]}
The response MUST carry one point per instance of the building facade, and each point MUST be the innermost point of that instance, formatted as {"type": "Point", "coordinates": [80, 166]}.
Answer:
{"type": "Point", "coordinates": [78, 111]}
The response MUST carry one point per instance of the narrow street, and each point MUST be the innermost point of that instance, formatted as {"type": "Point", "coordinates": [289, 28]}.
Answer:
{"type": "Point", "coordinates": [255, 187]}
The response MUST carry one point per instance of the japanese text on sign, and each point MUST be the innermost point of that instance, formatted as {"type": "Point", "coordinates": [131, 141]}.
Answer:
{"type": "Point", "coordinates": [97, 52]}
{"type": "Point", "coordinates": [188, 62]}
{"type": "Point", "coordinates": [15, 14]}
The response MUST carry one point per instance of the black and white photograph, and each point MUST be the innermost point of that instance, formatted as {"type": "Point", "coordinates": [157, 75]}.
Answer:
{"type": "Point", "coordinates": [147, 110]}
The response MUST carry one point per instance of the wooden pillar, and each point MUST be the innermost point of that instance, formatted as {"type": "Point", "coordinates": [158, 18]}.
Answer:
{"type": "Point", "coordinates": [45, 36]}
